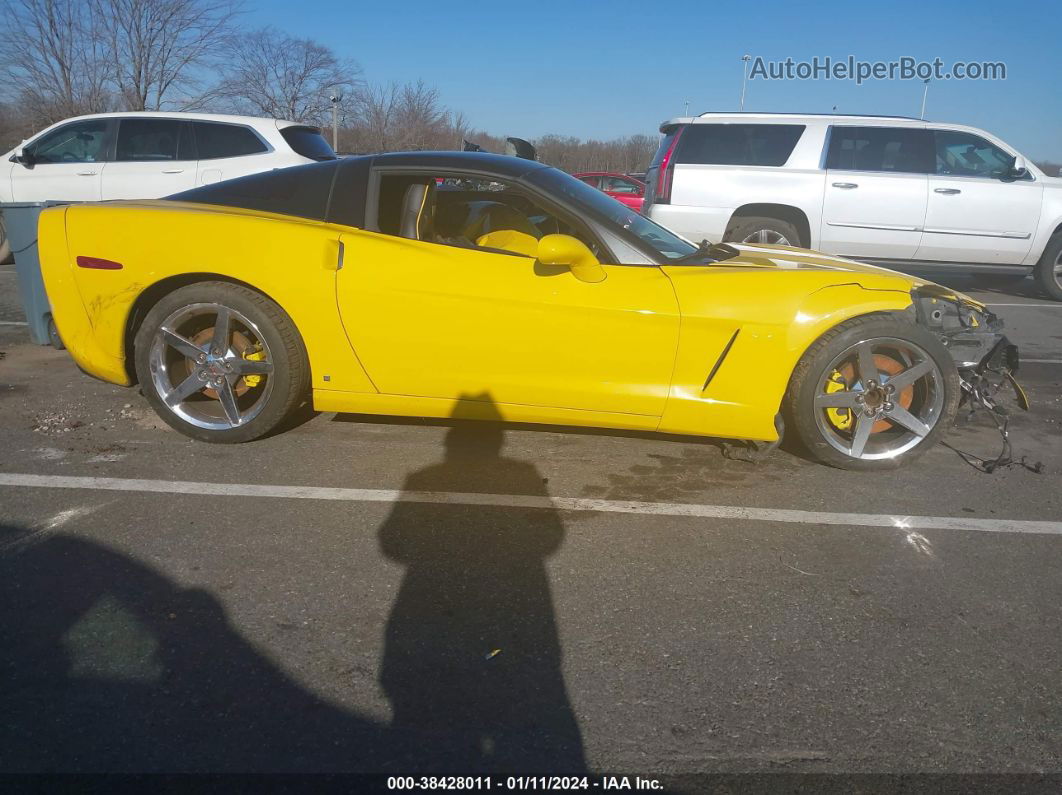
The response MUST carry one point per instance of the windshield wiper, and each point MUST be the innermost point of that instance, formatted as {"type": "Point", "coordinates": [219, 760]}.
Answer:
{"type": "Point", "coordinates": [706, 254]}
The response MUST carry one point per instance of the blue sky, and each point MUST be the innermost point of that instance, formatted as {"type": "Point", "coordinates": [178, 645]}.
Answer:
{"type": "Point", "coordinates": [600, 69]}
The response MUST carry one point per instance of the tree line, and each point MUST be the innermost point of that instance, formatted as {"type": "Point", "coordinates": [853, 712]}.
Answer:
{"type": "Point", "coordinates": [64, 58]}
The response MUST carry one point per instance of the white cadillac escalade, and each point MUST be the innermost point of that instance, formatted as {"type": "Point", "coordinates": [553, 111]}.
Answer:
{"type": "Point", "coordinates": [887, 190]}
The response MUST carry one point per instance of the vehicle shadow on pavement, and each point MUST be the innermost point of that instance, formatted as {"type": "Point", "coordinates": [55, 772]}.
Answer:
{"type": "Point", "coordinates": [472, 658]}
{"type": "Point", "coordinates": [108, 666]}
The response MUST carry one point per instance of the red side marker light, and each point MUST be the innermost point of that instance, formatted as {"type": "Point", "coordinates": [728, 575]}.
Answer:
{"type": "Point", "coordinates": [98, 264]}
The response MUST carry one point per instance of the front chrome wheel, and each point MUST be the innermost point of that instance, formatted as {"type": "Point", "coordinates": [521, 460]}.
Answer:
{"type": "Point", "coordinates": [211, 366]}
{"type": "Point", "coordinates": [879, 398]}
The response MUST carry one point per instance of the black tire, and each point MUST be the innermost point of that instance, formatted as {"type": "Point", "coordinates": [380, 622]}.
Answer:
{"type": "Point", "coordinates": [290, 368]}
{"type": "Point", "coordinates": [748, 229]}
{"type": "Point", "coordinates": [53, 335]}
{"type": "Point", "coordinates": [1047, 279]}
{"type": "Point", "coordinates": [811, 371]}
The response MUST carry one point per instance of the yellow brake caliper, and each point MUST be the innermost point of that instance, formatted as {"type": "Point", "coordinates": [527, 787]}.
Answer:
{"type": "Point", "coordinates": [839, 418]}
{"type": "Point", "coordinates": [254, 354]}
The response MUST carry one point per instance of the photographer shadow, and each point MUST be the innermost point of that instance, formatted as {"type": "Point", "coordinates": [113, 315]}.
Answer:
{"type": "Point", "coordinates": [472, 658]}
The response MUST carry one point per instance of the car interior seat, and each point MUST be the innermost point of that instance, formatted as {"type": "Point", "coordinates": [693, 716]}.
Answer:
{"type": "Point", "coordinates": [417, 217]}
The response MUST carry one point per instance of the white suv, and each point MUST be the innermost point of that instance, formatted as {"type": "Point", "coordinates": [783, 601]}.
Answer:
{"type": "Point", "coordinates": [882, 189]}
{"type": "Point", "coordinates": [149, 155]}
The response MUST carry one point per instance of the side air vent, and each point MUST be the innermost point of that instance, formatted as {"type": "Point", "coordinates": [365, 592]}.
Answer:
{"type": "Point", "coordinates": [719, 361]}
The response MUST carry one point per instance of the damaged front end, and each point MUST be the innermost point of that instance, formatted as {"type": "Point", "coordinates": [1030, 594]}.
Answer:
{"type": "Point", "coordinates": [985, 358]}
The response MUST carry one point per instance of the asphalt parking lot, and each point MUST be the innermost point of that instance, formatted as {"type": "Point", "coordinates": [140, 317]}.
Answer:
{"type": "Point", "coordinates": [365, 594]}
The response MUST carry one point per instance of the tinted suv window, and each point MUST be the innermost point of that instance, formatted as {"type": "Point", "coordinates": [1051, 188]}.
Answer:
{"type": "Point", "coordinates": [308, 142]}
{"type": "Point", "coordinates": [153, 139]}
{"type": "Point", "coordinates": [896, 149]}
{"type": "Point", "coordinates": [965, 155]}
{"type": "Point", "coordinates": [738, 144]}
{"type": "Point", "coordinates": [225, 140]}
{"type": "Point", "coordinates": [81, 142]}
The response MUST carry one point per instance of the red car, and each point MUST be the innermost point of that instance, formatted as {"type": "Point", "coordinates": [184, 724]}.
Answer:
{"type": "Point", "coordinates": [621, 187]}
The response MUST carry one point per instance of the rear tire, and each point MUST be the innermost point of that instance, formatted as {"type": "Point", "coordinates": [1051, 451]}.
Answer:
{"type": "Point", "coordinates": [851, 420]}
{"type": "Point", "coordinates": [754, 230]}
{"type": "Point", "coordinates": [1048, 271]}
{"type": "Point", "coordinates": [220, 362]}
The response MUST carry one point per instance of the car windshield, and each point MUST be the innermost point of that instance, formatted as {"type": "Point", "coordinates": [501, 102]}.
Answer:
{"type": "Point", "coordinates": [665, 243]}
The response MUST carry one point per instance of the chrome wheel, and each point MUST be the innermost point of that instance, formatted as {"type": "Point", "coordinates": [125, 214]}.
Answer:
{"type": "Point", "coordinates": [1056, 269]}
{"type": "Point", "coordinates": [879, 398]}
{"type": "Point", "coordinates": [768, 236]}
{"type": "Point", "coordinates": [211, 366]}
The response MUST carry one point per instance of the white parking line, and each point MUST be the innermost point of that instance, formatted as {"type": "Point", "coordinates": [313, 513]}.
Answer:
{"type": "Point", "coordinates": [13, 323]}
{"type": "Point", "coordinates": [529, 501]}
{"type": "Point", "coordinates": [1041, 361]}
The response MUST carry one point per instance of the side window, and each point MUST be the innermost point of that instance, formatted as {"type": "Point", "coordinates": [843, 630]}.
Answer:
{"type": "Point", "coordinates": [965, 155]}
{"type": "Point", "coordinates": [593, 181]}
{"type": "Point", "coordinates": [738, 144]}
{"type": "Point", "coordinates": [152, 139]}
{"type": "Point", "coordinates": [890, 149]}
{"type": "Point", "coordinates": [467, 212]}
{"type": "Point", "coordinates": [619, 185]}
{"type": "Point", "coordinates": [214, 140]}
{"type": "Point", "coordinates": [81, 142]}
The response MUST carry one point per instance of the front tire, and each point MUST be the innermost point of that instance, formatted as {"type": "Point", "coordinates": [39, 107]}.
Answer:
{"type": "Point", "coordinates": [220, 362]}
{"type": "Point", "coordinates": [873, 393]}
{"type": "Point", "coordinates": [1048, 270]}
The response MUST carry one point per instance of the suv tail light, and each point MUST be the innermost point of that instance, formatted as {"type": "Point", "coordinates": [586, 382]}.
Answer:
{"type": "Point", "coordinates": [666, 171]}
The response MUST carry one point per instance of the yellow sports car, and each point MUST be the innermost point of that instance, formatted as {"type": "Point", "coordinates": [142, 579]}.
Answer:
{"type": "Point", "coordinates": [425, 283]}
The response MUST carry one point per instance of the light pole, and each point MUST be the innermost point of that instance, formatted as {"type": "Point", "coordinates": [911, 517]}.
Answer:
{"type": "Point", "coordinates": [686, 108]}
{"type": "Point", "coordinates": [925, 92]}
{"type": "Point", "coordinates": [744, 77]}
{"type": "Point", "coordinates": [335, 99]}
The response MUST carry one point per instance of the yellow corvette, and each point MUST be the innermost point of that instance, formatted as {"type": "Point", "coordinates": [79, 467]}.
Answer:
{"type": "Point", "coordinates": [418, 283]}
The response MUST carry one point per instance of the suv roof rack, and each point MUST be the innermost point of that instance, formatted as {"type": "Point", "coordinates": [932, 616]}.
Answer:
{"type": "Point", "coordinates": [790, 113]}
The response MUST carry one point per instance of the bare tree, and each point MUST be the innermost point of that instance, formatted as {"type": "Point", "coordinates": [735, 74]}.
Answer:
{"type": "Point", "coordinates": [155, 48]}
{"type": "Point", "coordinates": [273, 74]}
{"type": "Point", "coordinates": [53, 54]}
{"type": "Point", "coordinates": [1050, 168]}
{"type": "Point", "coordinates": [409, 116]}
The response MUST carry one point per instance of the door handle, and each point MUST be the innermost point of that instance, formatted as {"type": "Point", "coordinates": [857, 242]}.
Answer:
{"type": "Point", "coordinates": [86, 173]}
{"type": "Point", "coordinates": [846, 185]}
{"type": "Point", "coordinates": [947, 191]}
{"type": "Point", "coordinates": [173, 171]}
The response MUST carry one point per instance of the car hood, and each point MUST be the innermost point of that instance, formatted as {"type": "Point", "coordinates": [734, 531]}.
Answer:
{"type": "Point", "coordinates": [790, 258]}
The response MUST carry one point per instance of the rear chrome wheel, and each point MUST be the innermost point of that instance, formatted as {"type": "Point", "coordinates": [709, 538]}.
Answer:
{"type": "Point", "coordinates": [770, 236]}
{"type": "Point", "coordinates": [873, 393]}
{"type": "Point", "coordinates": [758, 231]}
{"type": "Point", "coordinates": [220, 362]}
{"type": "Point", "coordinates": [211, 366]}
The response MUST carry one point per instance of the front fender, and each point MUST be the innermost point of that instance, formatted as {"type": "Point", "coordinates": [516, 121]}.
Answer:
{"type": "Point", "coordinates": [736, 390]}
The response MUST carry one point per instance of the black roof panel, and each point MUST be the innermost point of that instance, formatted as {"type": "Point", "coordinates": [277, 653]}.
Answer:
{"type": "Point", "coordinates": [502, 165]}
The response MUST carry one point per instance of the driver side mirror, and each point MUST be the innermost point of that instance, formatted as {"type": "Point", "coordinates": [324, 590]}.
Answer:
{"type": "Point", "coordinates": [1017, 169]}
{"type": "Point", "coordinates": [24, 156]}
{"type": "Point", "coordinates": [573, 253]}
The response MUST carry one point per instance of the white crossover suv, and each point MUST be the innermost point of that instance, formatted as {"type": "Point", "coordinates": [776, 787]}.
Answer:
{"type": "Point", "coordinates": [149, 155]}
{"type": "Point", "coordinates": [883, 189]}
